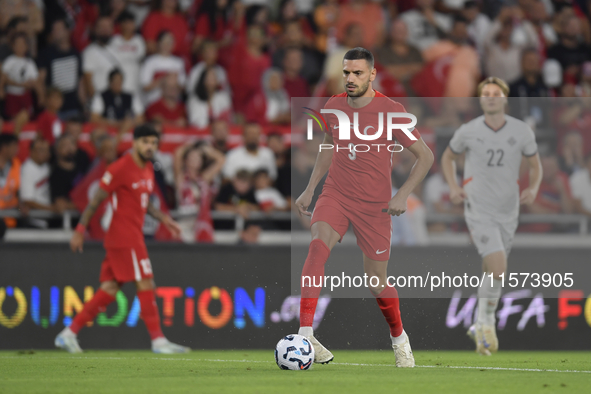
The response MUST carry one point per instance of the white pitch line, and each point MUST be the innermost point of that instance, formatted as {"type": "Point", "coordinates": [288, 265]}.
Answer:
{"type": "Point", "coordinates": [270, 362]}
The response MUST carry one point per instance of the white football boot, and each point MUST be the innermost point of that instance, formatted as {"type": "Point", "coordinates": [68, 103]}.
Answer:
{"type": "Point", "coordinates": [486, 339]}
{"type": "Point", "coordinates": [403, 353]}
{"type": "Point", "coordinates": [321, 354]}
{"type": "Point", "coordinates": [164, 346]}
{"type": "Point", "coordinates": [67, 340]}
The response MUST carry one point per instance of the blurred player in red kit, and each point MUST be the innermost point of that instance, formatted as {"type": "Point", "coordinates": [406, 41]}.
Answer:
{"type": "Point", "coordinates": [129, 182]}
{"type": "Point", "coordinates": [358, 190]}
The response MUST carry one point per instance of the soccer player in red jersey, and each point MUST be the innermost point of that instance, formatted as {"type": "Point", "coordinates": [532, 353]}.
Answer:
{"type": "Point", "coordinates": [129, 182]}
{"type": "Point", "coordinates": [358, 190]}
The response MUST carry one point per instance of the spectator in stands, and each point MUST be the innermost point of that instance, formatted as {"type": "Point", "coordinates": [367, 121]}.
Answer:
{"type": "Point", "coordinates": [287, 14]}
{"type": "Point", "coordinates": [200, 166]}
{"type": "Point", "coordinates": [159, 65]}
{"type": "Point", "coordinates": [283, 163]}
{"type": "Point", "coordinates": [248, 59]}
{"type": "Point", "coordinates": [98, 59]}
{"type": "Point", "coordinates": [165, 16]}
{"type": "Point", "coordinates": [17, 24]}
{"type": "Point", "coordinates": [10, 175]}
{"type": "Point", "coordinates": [28, 11]}
{"type": "Point", "coordinates": [251, 156]}
{"type": "Point", "coordinates": [271, 105]}
{"type": "Point", "coordinates": [268, 197]}
{"type": "Point", "coordinates": [531, 83]}
{"type": "Point", "coordinates": [219, 133]}
{"type": "Point", "coordinates": [73, 127]}
{"type": "Point", "coordinates": [238, 196]}
{"type": "Point", "coordinates": [538, 16]}
{"type": "Point", "coordinates": [106, 150]}
{"type": "Point", "coordinates": [452, 67]}
{"type": "Point", "coordinates": [478, 25]}
{"type": "Point", "coordinates": [293, 37]}
{"type": "Point", "coordinates": [326, 16]}
{"type": "Point", "coordinates": [554, 196]}
{"type": "Point", "coordinates": [503, 54]}
{"type": "Point", "coordinates": [294, 83]}
{"type": "Point", "coordinates": [572, 158]}
{"type": "Point", "coordinates": [213, 23]}
{"type": "Point", "coordinates": [60, 65]}
{"type": "Point", "coordinates": [209, 59]}
{"type": "Point", "coordinates": [49, 125]}
{"type": "Point", "coordinates": [333, 66]}
{"type": "Point", "coordinates": [208, 102]}
{"type": "Point", "coordinates": [169, 110]}
{"type": "Point", "coordinates": [18, 78]}
{"type": "Point", "coordinates": [425, 25]}
{"type": "Point", "coordinates": [368, 15]}
{"type": "Point", "coordinates": [34, 188]}
{"type": "Point", "coordinates": [129, 49]}
{"type": "Point", "coordinates": [570, 51]}
{"type": "Point", "coordinates": [580, 184]}
{"type": "Point", "coordinates": [115, 108]}
{"type": "Point", "coordinates": [79, 15]}
{"type": "Point", "coordinates": [64, 173]}
{"type": "Point", "coordinates": [400, 60]}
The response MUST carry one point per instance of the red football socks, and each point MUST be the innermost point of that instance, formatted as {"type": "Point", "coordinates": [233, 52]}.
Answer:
{"type": "Point", "coordinates": [390, 307]}
{"type": "Point", "coordinates": [314, 269]}
{"type": "Point", "coordinates": [149, 313]}
{"type": "Point", "coordinates": [97, 304]}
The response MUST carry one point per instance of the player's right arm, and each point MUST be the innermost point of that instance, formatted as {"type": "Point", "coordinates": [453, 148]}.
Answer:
{"type": "Point", "coordinates": [321, 166]}
{"type": "Point", "coordinates": [457, 194]}
{"type": "Point", "coordinates": [78, 236]}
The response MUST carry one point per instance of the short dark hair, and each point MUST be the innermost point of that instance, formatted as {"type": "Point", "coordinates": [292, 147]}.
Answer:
{"type": "Point", "coordinates": [145, 130]}
{"type": "Point", "coordinates": [260, 171]}
{"type": "Point", "coordinates": [243, 175]}
{"type": "Point", "coordinates": [125, 16]}
{"type": "Point", "coordinates": [7, 139]}
{"type": "Point", "coordinates": [114, 72]}
{"type": "Point", "coordinates": [161, 34]}
{"type": "Point", "coordinates": [358, 54]}
{"type": "Point", "coordinates": [460, 19]}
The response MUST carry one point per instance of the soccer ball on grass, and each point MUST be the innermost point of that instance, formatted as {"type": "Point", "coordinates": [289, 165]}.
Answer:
{"type": "Point", "coordinates": [294, 352]}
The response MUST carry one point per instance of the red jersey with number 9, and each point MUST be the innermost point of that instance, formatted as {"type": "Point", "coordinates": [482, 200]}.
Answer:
{"type": "Point", "coordinates": [130, 187]}
{"type": "Point", "coordinates": [361, 170]}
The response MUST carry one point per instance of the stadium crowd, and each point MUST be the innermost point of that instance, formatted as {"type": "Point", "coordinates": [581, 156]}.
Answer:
{"type": "Point", "coordinates": [77, 76]}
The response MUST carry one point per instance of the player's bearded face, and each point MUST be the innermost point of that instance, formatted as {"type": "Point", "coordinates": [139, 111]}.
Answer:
{"type": "Point", "coordinates": [146, 147]}
{"type": "Point", "coordinates": [357, 77]}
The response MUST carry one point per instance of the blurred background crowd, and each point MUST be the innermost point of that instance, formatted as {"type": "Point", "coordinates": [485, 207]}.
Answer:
{"type": "Point", "coordinates": [215, 77]}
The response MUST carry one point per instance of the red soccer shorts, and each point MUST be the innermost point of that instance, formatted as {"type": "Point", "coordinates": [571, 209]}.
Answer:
{"type": "Point", "coordinates": [126, 265]}
{"type": "Point", "coordinates": [372, 227]}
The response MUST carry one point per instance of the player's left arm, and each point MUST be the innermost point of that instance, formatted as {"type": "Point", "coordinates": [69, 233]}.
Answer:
{"type": "Point", "coordinates": [165, 219]}
{"type": "Point", "coordinates": [424, 156]}
{"type": "Point", "coordinates": [528, 195]}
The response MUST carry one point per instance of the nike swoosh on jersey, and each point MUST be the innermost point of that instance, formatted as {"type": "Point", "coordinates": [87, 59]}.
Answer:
{"type": "Point", "coordinates": [380, 252]}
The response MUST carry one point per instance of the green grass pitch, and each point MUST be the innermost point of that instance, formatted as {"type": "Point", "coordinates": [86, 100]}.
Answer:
{"type": "Point", "coordinates": [248, 371]}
